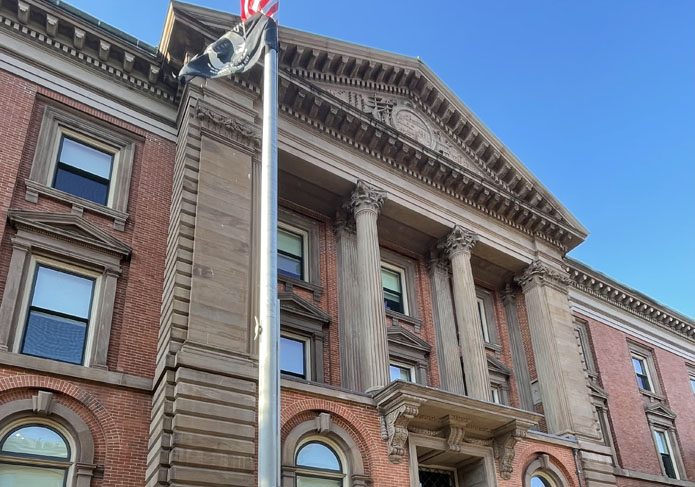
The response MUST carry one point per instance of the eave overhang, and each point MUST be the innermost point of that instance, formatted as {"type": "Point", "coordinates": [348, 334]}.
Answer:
{"type": "Point", "coordinates": [406, 408]}
{"type": "Point", "coordinates": [599, 285]}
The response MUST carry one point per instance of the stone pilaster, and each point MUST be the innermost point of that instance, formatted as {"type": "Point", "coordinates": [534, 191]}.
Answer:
{"type": "Point", "coordinates": [366, 203]}
{"type": "Point", "coordinates": [564, 390]}
{"type": "Point", "coordinates": [448, 355]}
{"type": "Point", "coordinates": [348, 300]}
{"type": "Point", "coordinates": [458, 247]}
{"type": "Point", "coordinates": [521, 373]}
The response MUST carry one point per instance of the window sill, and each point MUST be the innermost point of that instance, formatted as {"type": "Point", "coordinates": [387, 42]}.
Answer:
{"type": "Point", "coordinates": [396, 317]}
{"type": "Point", "coordinates": [38, 364]}
{"type": "Point", "coordinates": [291, 282]}
{"type": "Point", "coordinates": [79, 205]}
{"type": "Point", "coordinates": [660, 479]}
{"type": "Point", "coordinates": [652, 396]}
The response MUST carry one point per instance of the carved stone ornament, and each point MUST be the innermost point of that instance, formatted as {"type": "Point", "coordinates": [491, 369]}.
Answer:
{"type": "Point", "coordinates": [540, 273]}
{"type": "Point", "coordinates": [455, 431]}
{"type": "Point", "coordinates": [503, 446]}
{"type": "Point", "coordinates": [459, 240]}
{"type": "Point", "coordinates": [409, 122]}
{"type": "Point", "coordinates": [396, 420]}
{"type": "Point", "coordinates": [344, 222]}
{"type": "Point", "coordinates": [230, 124]}
{"type": "Point", "coordinates": [367, 197]}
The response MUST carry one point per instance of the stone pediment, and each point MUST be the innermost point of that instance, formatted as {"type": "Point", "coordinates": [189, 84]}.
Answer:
{"type": "Point", "coordinates": [597, 391]}
{"type": "Point", "coordinates": [69, 227]}
{"type": "Point", "coordinates": [495, 365]}
{"type": "Point", "coordinates": [296, 305]}
{"type": "Point", "coordinates": [405, 338]}
{"type": "Point", "coordinates": [660, 410]}
{"type": "Point", "coordinates": [396, 109]}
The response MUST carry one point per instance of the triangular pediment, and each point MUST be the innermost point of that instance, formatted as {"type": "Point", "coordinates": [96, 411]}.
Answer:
{"type": "Point", "coordinates": [66, 226]}
{"type": "Point", "coordinates": [293, 304]}
{"type": "Point", "coordinates": [401, 336]}
{"type": "Point", "coordinates": [495, 365]}
{"type": "Point", "coordinates": [396, 108]}
{"type": "Point", "coordinates": [659, 409]}
{"type": "Point", "coordinates": [597, 390]}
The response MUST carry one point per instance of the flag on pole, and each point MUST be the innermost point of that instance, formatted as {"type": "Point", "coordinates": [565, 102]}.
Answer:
{"type": "Point", "coordinates": [266, 7]}
{"type": "Point", "coordinates": [235, 52]}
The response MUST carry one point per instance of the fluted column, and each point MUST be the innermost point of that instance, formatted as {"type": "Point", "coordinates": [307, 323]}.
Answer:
{"type": "Point", "coordinates": [348, 300]}
{"type": "Point", "coordinates": [366, 203]}
{"type": "Point", "coordinates": [448, 356]}
{"type": "Point", "coordinates": [458, 247]}
{"type": "Point", "coordinates": [521, 373]}
{"type": "Point", "coordinates": [564, 390]}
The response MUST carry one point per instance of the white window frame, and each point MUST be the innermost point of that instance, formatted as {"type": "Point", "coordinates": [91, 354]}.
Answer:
{"type": "Point", "coordinates": [692, 383]}
{"type": "Point", "coordinates": [34, 262]}
{"type": "Point", "coordinates": [645, 363]}
{"type": "Point", "coordinates": [671, 451]}
{"type": "Point", "coordinates": [307, 351]}
{"type": "Point", "coordinates": [305, 247]}
{"type": "Point", "coordinates": [482, 313]}
{"type": "Point", "coordinates": [404, 285]}
{"type": "Point", "coordinates": [403, 365]}
{"type": "Point", "coordinates": [343, 476]}
{"type": "Point", "coordinates": [495, 391]}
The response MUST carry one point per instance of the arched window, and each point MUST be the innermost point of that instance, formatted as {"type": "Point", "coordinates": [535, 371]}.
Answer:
{"type": "Point", "coordinates": [543, 473]}
{"type": "Point", "coordinates": [540, 480]}
{"type": "Point", "coordinates": [318, 466]}
{"type": "Point", "coordinates": [34, 454]}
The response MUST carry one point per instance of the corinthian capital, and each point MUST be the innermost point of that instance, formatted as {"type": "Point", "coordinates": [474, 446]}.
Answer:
{"type": "Point", "coordinates": [459, 240]}
{"type": "Point", "coordinates": [367, 197]}
{"type": "Point", "coordinates": [540, 273]}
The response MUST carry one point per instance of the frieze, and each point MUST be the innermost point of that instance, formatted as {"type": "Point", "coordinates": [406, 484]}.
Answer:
{"type": "Point", "coordinates": [226, 125]}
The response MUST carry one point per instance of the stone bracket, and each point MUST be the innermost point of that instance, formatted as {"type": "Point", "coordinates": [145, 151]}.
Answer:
{"type": "Point", "coordinates": [503, 444]}
{"type": "Point", "coordinates": [395, 419]}
{"type": "Point", "coordinates": [454, 429]}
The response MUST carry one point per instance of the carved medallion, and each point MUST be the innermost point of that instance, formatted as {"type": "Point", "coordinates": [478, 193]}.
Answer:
{"type": "Point", "coordinates": [413, 125]}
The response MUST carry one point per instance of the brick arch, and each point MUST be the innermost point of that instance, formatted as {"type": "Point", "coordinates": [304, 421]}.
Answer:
{"type": "Point", "coordinates": [534, 454]}
{"type": "Point", "coordinates": [10, 385]}
{"type": "Point", "coordinates": [307, 410]}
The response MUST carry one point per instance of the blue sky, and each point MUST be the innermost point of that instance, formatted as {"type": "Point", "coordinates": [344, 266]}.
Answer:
{"type": "Point", "coordinates": [596, 97]}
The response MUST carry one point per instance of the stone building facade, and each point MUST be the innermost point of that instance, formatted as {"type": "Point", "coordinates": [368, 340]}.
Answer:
{"type": "Point", "coordinates": [434, 333]}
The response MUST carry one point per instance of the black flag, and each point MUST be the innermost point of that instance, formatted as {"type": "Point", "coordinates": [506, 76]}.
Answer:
{"type": "Point", "coordinates": [235, 52]}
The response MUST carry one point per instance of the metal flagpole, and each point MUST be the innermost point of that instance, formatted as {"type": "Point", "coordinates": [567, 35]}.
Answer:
{"type": "Point", "coordinates": [269, 326]}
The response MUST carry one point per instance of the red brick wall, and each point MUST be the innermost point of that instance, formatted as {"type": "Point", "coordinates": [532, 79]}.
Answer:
{"type": "Point", "coordinates": [633, 438]}
{"type": "Point", "coordinates": [118, 417]}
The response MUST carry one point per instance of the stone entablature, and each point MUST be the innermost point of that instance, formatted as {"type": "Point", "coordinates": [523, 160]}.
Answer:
{"type": "Point", "coordinates": [600, 286]}
{"type": "Point", "coordinates": [66, 31]}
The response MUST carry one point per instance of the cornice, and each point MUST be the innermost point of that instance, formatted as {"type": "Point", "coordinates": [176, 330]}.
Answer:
{"type": "Point", "coordinates": [60, 30]}
{"type": "Point", "coordinates": [596, 284]}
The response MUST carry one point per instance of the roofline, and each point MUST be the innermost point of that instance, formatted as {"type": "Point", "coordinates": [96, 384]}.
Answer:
{"type": "Point", "coordinates": [99, 24]}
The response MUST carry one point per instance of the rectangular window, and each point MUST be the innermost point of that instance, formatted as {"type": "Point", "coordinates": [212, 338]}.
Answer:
{"type": "Point", "coordinates": [692, 384]}
{"type": "Point", "coordinates": [83, 170]}
{"type": "Point", "coordinates": [293, 356]}
{"type": "Point", "coordinates": [401, 372]}
{"type": "Point", "coordinates": [392, 280]}
{"type": "Point", "coordinates": [58, 315]}
{"type": "Point", "coordinates": [640, 366]}
{"type": "Point", "coordinates": [495, 395]}
{"type": "Point", "coordinates": [482, 317]}
{"type": "Point", "coordinates": [291, 253]}
{"type": "Point", "coordinates": [664, 447]}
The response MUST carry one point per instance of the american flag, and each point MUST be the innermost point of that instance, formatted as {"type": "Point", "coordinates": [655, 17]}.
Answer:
{"type": "Point", "coordinates": [267, 7]}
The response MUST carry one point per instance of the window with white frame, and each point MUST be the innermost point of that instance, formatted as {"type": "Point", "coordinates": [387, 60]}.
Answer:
{"type": "Point", "coordinates": [318, 465]}
{"type": "Point", "coordinates": [294, 355]}
{"type": "Point", "coordinates": [393, 282]}
{"type": "Point", "coordinates": [34, 454]}
{"type": "Point", "coordinates": [691, 378]}
{"type": "Point", "coordinates": [486, 317]}
{"type": "Point", "coordinates": [81, 161]}
{"type": "Point", "coordinates": [663, 445]}
{"type": "Point", "coordinates": [292, 252]}
{"type": "Point", "coordinates": [58, 311]}
{"type": "Point", "coordinates": [645, 369]}
{"type": "Point", "coordinates": [482, 316]}
{"type": "Point", "coordinates": [639, 363]}
{"type": "Point", "coordinates": [401, 371]}
{"type": "Point", "coordinates": [495, 395]}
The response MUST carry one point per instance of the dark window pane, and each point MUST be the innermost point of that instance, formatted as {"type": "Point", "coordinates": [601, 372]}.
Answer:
{"type": "Point", "coordinates": [86, 158]}
{"type": "Point", "coordinates": [430, 477]}
{"type": "Point", "coordinates": [62, 292]}
{"type": "Point", "coordinates": [290, 266]}
{"type": "Point", "coordinates": [393, 302]}
{"type": "Point", "coordinates": [81, 186]}
{"type": "Point", "coordinates": [668, 465]}
{"type": "Point", "coordinates": [54, 337]}
{"type": "Point", "coordinates": [292, 356]}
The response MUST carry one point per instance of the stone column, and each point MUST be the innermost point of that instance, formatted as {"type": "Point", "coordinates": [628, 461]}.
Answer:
{"type": "Point", "coordinates": [366, 203]}
{"type": "Point", "coordinates": [458, 247]}
{"type": "Point", "coordinates": [521, 374]}
{"type": "Point", "coordinates": [348, 300]}
{"type": "Point", "coordinates": [448, 355]}
{"type": "Point", "coordinates": [564, 390]}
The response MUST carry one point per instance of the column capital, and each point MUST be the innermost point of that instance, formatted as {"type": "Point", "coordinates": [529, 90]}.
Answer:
{"type": "Point", "coordinates": [508, 295]}
{"type": "Point", "coordinates": [344, 222]}
{"type": "Point", "coordinates": [459, 240]}
{"type": "Point", "coordinates": [437, 263]}
{"type": "Point", "coordinates": [367, 197]}
{"type": "Point", "coordinates": [540, 273]}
